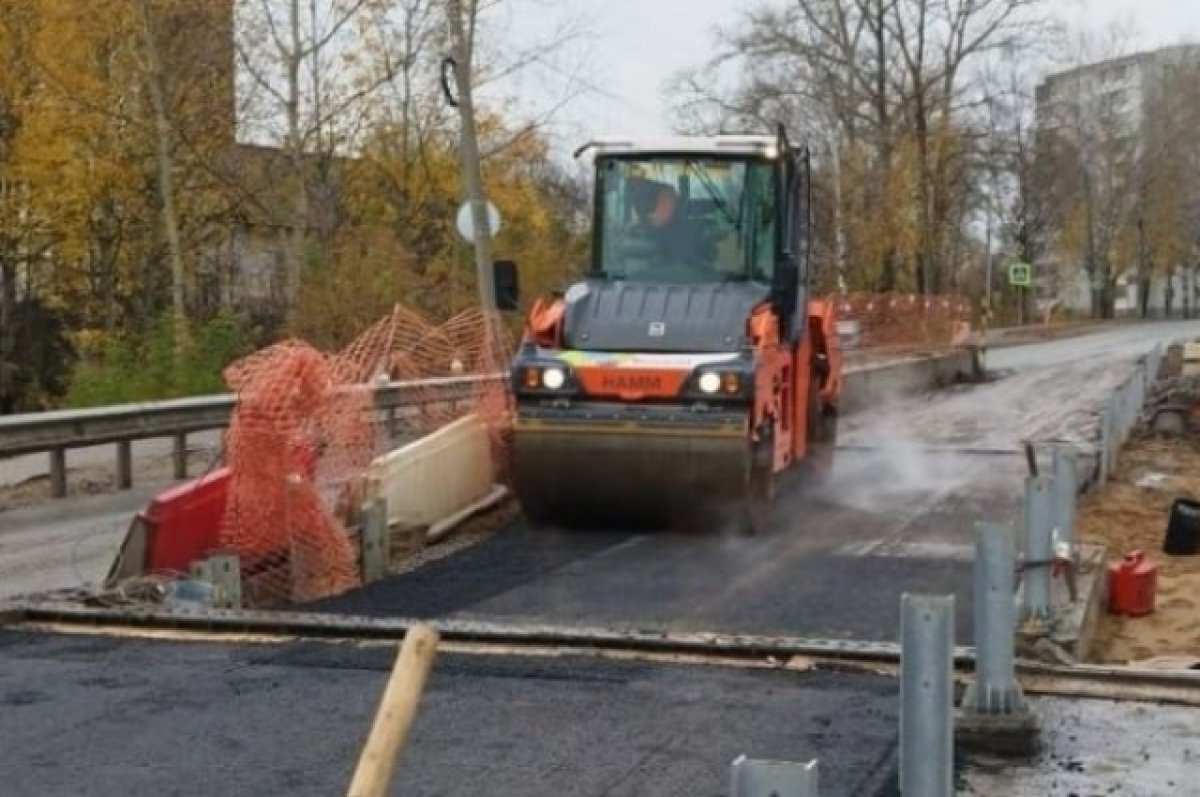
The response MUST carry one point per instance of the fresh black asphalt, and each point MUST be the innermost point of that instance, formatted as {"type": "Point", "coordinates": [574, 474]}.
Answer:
{"type": "Point", "coordinates": [804, 577]}
{"type": "Point", "coordinates": [101, 717]}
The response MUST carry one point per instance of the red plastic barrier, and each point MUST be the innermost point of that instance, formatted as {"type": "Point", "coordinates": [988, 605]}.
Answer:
{"type": "Point", "coordinates": [183, 524]}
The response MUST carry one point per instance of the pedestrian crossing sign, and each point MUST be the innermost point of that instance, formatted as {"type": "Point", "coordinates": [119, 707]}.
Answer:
{"type": "Point", "coordinates": [1020, 275]}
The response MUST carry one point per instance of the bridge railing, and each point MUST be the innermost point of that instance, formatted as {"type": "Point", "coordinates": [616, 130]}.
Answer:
{"type": "Point", "coordinates": [59, 431]}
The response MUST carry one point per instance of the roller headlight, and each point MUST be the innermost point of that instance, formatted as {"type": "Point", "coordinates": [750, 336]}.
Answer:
{"type": "Point", "coordinates": [710, 383]}
{"type": "Point", "coordinates": [553, 378]}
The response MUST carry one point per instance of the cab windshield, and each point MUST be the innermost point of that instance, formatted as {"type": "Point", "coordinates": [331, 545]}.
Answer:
{"type": "Point", "coordinates": [680, 219]}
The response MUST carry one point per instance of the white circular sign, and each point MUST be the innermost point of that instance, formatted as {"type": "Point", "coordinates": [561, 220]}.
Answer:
{"type": "Point", "coordinates": [466, 221]}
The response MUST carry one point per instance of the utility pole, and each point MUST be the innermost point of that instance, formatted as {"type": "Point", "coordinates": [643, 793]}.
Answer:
{"type": "Point", "coordinates": [472, 171]}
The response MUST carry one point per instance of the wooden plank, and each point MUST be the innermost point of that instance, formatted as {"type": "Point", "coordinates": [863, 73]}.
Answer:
{"type": "Point", "coordinates": [373, 777]}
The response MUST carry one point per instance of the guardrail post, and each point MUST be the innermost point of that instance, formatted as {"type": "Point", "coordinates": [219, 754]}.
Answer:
{"type": "Point", "coordinates": [227, 578]}
{"type": "Point", "coordinates": [124, 464]}
{"type": "Point", "coordinates": [1102, 450]}
{"type": "Point", "coordinates": [753, 778]}
{"type": "Point", "coordinates": [1108, 441]}
{"type": "Point", "coordinates": [1066, 488]}
{"type": "Point", "coordinates": [58, 472]}
{"type": "Point", "coordinates": [1039, 551]}
{"type": "Point", "coordinates": [179, 454]}
{"type": "Point", "coordinates": [374, 541]}
{"type": "Point", "coordinates": [994, 714]}
{"type": "Point", "coordinates": [927, 696]}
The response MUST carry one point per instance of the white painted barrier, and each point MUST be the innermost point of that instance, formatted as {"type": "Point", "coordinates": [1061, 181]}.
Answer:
{"type": "Point", "coordinates": [435, 477]}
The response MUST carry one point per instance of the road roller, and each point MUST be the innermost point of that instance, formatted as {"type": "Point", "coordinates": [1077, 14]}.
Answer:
{"type": "Point", "coordinates": [691, 365]}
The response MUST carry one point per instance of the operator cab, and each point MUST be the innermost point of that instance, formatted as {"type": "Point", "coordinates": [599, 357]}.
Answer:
{"type": "Point", "coordinates": [685, 219]}
{"type": "Point", "coordinates": [724, 216]}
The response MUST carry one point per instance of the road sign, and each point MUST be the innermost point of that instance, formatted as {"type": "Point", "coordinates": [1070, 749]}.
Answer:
{"type": "Point", "coordinates": [466, 223]}
{"type": "Point", "coordinates": [1020, 275]}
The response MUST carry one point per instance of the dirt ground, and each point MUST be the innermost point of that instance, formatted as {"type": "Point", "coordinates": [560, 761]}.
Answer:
{"type": "Point", "coordinates": [1131, 512]}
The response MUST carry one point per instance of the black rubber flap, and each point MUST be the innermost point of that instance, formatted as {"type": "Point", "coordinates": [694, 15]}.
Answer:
{"type": "Point", "coordinates": [1183, 529]}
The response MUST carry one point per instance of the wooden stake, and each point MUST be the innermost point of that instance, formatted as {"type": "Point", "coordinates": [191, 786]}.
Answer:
{"type": "Point", "coordinates": [397, 709]}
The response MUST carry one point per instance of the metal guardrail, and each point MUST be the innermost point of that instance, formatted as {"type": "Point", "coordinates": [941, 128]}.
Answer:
{"type": "Point", "coordinates": [61, 430]}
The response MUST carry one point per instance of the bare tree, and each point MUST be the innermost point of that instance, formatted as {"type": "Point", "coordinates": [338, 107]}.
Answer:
{"type": "Point", "coordinates": [294, 52]}
{"type": "Point", "coordinates": [882, 89]}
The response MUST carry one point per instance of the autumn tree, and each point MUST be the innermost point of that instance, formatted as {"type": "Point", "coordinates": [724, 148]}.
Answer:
{"type": "Point", "coordinates": [1167, 174]}
{"type": "Point", "coordinates": [1122, 166]}
{"type": "Point", "coordinates": [35, 355]}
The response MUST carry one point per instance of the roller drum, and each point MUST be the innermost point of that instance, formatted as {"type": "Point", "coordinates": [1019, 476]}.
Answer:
{"type": "Point", "coordinates": [628, 474]}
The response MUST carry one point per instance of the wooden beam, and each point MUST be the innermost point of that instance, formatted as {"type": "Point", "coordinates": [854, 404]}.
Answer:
{"type": "Point", "coordinates": [373, 777]}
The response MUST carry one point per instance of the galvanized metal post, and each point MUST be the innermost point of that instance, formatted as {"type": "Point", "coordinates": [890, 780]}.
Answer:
{"type": "Point", "coordinates": [374, 541]}
{"type": "Point", "coordinates": [1111, 439]}
{"type": "Point", "coordinates": [1102, 449]}
{"type": "Point", "coordinates": [226, 573]}
{"type": "Point", "coordinates": [927, 696]}
{"type": "Point", "coordinates": [994, 715]}
{"type": "Point", "coordinates": [1039, 550]}
{"type": "Point", "coordinates": [1119, 411]}
{"type": "Point", "coordinates": [995, 688]}
{"type": "Point", "coordinates": [1066, 489]}
{"type": "Point", "coordinates": [753, 778]}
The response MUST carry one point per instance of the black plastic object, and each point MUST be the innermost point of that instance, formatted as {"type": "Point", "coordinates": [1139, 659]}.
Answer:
{"type": "Point", "coordinates": [1183, 529]}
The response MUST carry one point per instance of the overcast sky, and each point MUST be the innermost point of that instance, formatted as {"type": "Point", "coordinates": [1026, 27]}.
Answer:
{"type": "Point", "coordinates": [636, 44]}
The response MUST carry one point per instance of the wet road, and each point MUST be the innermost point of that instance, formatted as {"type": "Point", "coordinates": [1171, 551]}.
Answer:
{"type": "Point", "coordinates": [898, 516]}
{"type": "Point", "coordinates": [97, 717]}
{"type": "Point", "coordinates": [67, 544]}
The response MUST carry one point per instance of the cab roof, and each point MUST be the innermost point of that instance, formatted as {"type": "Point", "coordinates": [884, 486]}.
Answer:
{"type": "Point", "coordinates": [766, 146]}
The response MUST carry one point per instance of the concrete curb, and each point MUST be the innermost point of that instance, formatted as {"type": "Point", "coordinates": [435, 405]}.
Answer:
{"type": "Point", "coordinates": [869, 386]}
{"type": "Point", "coordinates": [1084, 616]}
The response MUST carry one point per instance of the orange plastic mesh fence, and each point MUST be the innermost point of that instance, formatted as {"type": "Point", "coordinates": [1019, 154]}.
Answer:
{"type": "Point", "coordinates": [906, 321]}
{"type": "Point", "coordinates": [306, 427]}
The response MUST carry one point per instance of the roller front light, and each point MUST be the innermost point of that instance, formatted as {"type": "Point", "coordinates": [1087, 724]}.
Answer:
{"type": "Point", "coordinates": [553, 378]}
{"type": "Point", "coordinates": [709, 383]}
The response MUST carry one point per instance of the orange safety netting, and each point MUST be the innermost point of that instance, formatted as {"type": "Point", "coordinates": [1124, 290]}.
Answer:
{"type": "Point", "coordinates": [307, 426]}
{"type": "Point", "coordinates": [906, 321]}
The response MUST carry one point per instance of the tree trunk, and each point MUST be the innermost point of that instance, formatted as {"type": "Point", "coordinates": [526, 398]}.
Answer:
{"type": "Point", "coordinates": [164, 146]}
{"type": "Point", "coordinates": [8, 333]}
{"type": "Point", "coordinates": [295, 152]}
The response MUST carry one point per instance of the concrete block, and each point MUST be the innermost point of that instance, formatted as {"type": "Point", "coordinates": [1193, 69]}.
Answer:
{"type": "Point", "coordinates": [1014, 735]}
{"type": "Point", "coordinates": [435, 476]}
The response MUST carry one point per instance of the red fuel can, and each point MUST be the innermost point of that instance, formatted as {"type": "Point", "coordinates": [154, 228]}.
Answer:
{"type": "Point", "coordinates": [1132, 583]}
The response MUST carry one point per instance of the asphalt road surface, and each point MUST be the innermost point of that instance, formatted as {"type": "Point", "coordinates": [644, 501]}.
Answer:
{"type": "Point", "coordinates": [67, 544]}
{"type": "Point", "coordinates": [898, 516]}
{"type": "Point", "coordinates": [98, 717]}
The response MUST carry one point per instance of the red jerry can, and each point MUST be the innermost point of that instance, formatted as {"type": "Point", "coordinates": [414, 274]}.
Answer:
{"type": "Point", "coordinates": [1132, 583]}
